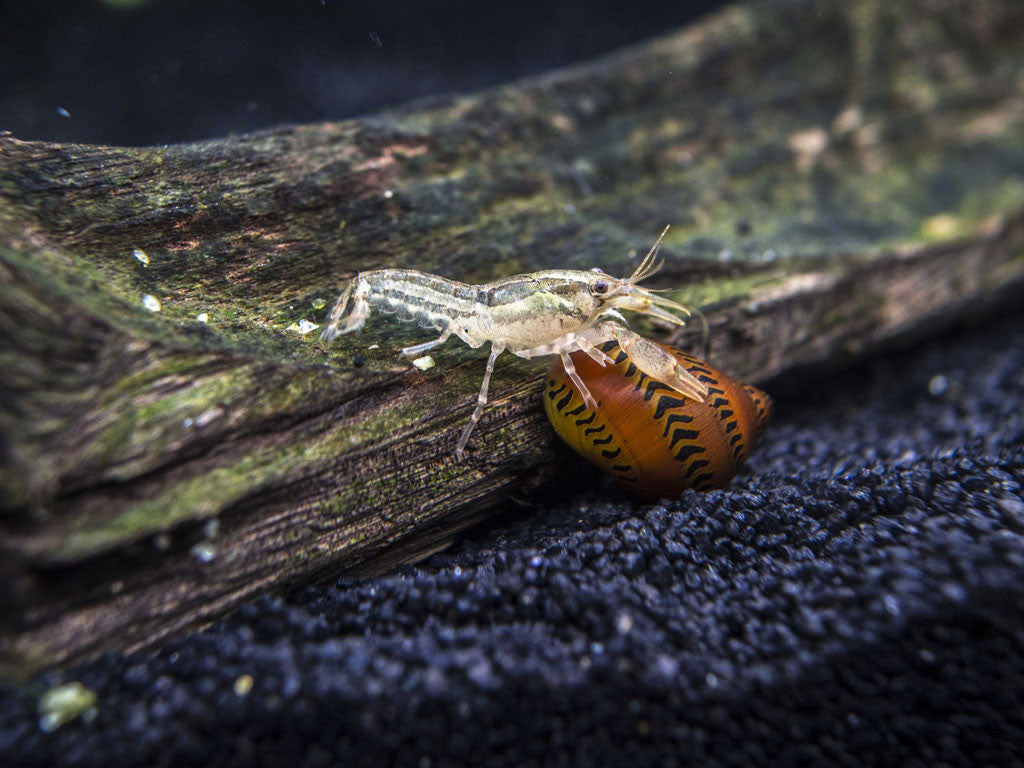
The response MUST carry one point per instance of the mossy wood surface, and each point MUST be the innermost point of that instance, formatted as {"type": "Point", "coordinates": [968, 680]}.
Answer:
{"type": "Point", "coordinates": [836, 173]}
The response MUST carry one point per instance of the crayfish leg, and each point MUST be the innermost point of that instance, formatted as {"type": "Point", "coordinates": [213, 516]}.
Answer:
{"type": "Point", "coordinates": [481, 400]}
{"type": "Point", "coordinates": [427, 345]}
{"type": "Point", "coordinates": [594, 353]}
{"type": "Point", "coordinates": [570, 370]}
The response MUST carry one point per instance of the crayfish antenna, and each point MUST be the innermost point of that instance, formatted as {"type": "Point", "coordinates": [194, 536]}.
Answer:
{"type": "Point", "coordinates": [644, 270]}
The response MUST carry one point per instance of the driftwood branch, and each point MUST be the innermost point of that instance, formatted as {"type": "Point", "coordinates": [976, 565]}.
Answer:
{"type": "Point", "coordinates": [837, 173]}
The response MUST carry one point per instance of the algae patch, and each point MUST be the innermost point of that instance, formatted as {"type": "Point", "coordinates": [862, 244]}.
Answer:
{"type": "Point", "coordinates": [64, 703]}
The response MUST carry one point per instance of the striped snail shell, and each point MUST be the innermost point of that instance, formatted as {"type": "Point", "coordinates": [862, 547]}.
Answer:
{"type": "Point", "coordinates": [648, 436]}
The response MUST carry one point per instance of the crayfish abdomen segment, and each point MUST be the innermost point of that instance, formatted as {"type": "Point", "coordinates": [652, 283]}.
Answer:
{"type": "Point", "coordinates": [428, 300]}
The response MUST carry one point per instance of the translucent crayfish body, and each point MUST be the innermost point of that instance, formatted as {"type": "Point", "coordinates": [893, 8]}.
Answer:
{"type": "Point", "coordinates": [556, 312]}
{"type": "Point", "coordinates": [645, 435]}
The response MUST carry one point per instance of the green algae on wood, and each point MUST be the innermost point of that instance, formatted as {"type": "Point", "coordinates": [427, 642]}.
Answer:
{"type": "Point", "coordinates": [829, 185]}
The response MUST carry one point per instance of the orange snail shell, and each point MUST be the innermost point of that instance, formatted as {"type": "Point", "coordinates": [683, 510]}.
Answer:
{"type": "Point", "coordinates": [648, 436]}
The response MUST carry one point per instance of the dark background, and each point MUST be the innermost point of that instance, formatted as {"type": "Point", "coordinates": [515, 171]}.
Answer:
{"type": "Point", "coordinates": [137, 72]}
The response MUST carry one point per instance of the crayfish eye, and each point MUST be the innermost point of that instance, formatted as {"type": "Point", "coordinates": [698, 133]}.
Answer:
{"type": "Point", "coordinates": [599, 288]}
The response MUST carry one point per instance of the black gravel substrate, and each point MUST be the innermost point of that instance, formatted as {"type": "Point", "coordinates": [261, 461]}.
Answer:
{"type": "Point", "coordinates": [855, 598]}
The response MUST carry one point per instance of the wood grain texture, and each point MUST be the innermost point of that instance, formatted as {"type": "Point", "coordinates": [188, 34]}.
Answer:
{"type": "Point", "coordinates": [832, 183]}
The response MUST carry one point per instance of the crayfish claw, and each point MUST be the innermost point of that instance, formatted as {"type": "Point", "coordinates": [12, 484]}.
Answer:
{"type": "Point", "coordinates": [659, 364]}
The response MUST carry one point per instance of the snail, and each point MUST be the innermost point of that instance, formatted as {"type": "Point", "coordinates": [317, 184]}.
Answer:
{"type": "Point", "coordinates": [647, 435]}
